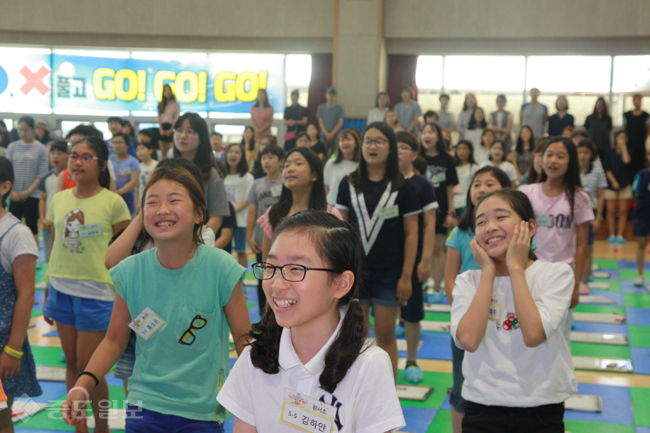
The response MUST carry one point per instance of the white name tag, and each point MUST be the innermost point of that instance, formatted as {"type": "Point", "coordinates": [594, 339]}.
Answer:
{"type": "Point", "coordinates": [146, 324]}
{"type": "Point", "coordinates": [125, 171]}
{"type": "Point", "coordinates": [544, 220]}
{"type": "Point", "coordinates": [388, 213]}
{"type": "Point", "coordinates": [89, 230]}
{"type": "Point", "coordinates": [307, 413]}
{"type": "Point", "coordinates": [439, 177]}
{"type": "Point", "coordinates": [276, 190]}
{"type": "Point", "coordinates": [495, 310]}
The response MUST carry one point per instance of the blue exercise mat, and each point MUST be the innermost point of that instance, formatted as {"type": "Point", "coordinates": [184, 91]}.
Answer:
{"type": "Point", "coordinates": [641, 360]}
{"type": "Point", "coordinates": [638, 316]}
{"type": "Point", "coordinates": [418, 419]}
{"type": "Point", "coordinates": [615, 296]}
{"type": "Point", "coordinates": [617, 405]}
{"type": "Point", "coordinates": [51, 391]}
{"type": "Point", "coordinates": [631, 264]}
{"type": "Point", "coordinates": [629, 287]}
{"type": "Point", "coordinates": [603, 328]}
{"type": "Point", "coordinates": [434, 346]}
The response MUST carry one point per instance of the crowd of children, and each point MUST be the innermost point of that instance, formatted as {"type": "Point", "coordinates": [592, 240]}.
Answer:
{"type": "Point", "coordinates": [378, 229]}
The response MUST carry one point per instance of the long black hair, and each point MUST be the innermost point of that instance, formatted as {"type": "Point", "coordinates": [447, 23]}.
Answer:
{"type": "Point", "coordinates": [204, 158]}
{"type": "Point", "coordinates": [470, 146]}
{"type": "Point", "coordinates": [339, 246]}
{"type": "Point", "coordinates": [467, 220]}
{"type": "Point", "coordinates": [101, 149]}
{"type": "Point", "coordinates": [317, 198]}
{"type": "Point", "coordinates": [163, 99]}
{"type": "Point", "coordinates": [6, 175]}
{"type": "Point", "coordinates": [441, 144]}
{"type": "Point", "coordinates": [472, 121]}
{"type": "Point", "coordinates": [533, 176]}
{"type": "Point", "coordinates": [250, 146]}
{"type": "Point", "coordinates": [572, 175]}
{"type": "Point", "coordinates": [588, 143]}
{"type": "Point", "coordinates": [520, 141]}
{"type": "Point", "coordinates": [242, 167]}
{"type": "Point", "coordinates": [359, 177]}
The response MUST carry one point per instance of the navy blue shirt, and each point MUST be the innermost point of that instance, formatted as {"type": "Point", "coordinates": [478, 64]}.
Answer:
{"type": "Point", "coordinates": [614, 162]}
{"type": "Point", "coordinates": [427, 196]}
{"type": "Point", "coordinates": [641, 190]}
{"type": "Point", "coordinates": [229, 222]}
{"type": "Point", "coordinates": [557, 124]}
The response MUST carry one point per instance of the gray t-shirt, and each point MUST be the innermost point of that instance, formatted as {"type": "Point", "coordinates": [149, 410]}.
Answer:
{"type": "Point", "coordinates": [535, 117]}
{"type": "Point", "coordinates": [463, 120]}
{"type": "Point", "coordinates": [30, 161]}
{"type": "Point", "coordinates": [445, 119]}
{"type": "Point", "coordinates": [17, 242]}
{"type": "Point", "coordinates": [406, 115]}
{"type": "Point", "coordinates": [215, 195]}
{"type": "Point", "coordinates": [263, 194]}
{"type": "Point", "coordinates": [330, 115]}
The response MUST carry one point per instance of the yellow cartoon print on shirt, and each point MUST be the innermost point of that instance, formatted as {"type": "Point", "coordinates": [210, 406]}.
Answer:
{"type": "Point", "coordinates": [72, 223]}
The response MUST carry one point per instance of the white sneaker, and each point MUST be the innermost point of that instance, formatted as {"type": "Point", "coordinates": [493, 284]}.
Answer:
{"type": "Point", "coordinates": [639, 281]}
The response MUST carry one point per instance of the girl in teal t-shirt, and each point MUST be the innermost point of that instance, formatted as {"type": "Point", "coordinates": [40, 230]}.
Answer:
{"type": "Point", "coordinates": [459, 260]}
{"type": "Point", "coordinates": [181, 298]}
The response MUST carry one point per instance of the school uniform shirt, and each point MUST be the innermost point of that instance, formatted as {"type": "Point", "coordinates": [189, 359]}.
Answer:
{"type": "Point", "coordinates": [507, 167]}
{"type": "Point", "coordinates": [503, 371]}
{"type": "Point", "coordinates": [263, 194]}
{"type": "Point", "coordinates": [83, 229]}
{"type": "Point", "coordinates": [593, 180]}
{"type": "Point", "coordinates": [18, 241]}
{"type": "Point", "coordinates": [480, 154]}
{"type": "Point", "coordinates": [441, 172]}
{"type": "Point", "coordinates": [30, 161]}
{"type": "Point", "coordinates": [465, 175]}
{"type": "Point", "coordinates": [123, 170]}
{"type": "Point", "coordinates": [145, 174]}
{"type": "Point", "coordinates": [237, 187]}
{"type": "Point", "coordinates": [170, 377]}
{"type": "Point", "coordinates": [427, 198]}
{"type": "Point", "coordinates": [556, 235]}
{"type": "Point", "coordinates": [332, 175]}
{"type": "Point", "coordinates": [365, 400]}
{"type": "Point", "coordinates": [378, 216]}
{"type": "Point", "coordinates": [614, 162]}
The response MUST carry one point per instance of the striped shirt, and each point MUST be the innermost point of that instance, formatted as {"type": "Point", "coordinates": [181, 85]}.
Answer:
{"type": "Point", "coordinates": [30, 162]}
{"type": "Point", "coordinates": [592, 181]}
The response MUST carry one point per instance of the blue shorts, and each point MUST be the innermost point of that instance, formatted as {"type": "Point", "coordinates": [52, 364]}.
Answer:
{"type": "Point", "coordinates": [124, 366]}
{"type": "Point", "coordinates": [380, 287]}
{"type": "Point", "coordinates": [141, 420]}
{"type": "Point", "coordinates": [592, 235]}
{"type": "Point", "coordinates": [641, 227]}
{"type": "Point", "coordinates": [239, 239]}
{"type": "Point", "coordinates": [455, 399]}
{"type": "Point", "coordinates": [85, 314]}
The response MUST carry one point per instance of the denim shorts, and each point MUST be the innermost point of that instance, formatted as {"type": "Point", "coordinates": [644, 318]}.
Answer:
{"type": "Point", "coordinates": [85, 314]}
{"type": "Point", "coordinates": [239, 239]}
{"type": "Point", "coordinates": [380, 287]}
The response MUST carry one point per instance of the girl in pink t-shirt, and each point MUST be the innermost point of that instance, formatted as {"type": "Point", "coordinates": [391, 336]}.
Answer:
{"type": "Point", "coordinates": [562, 209]}
{"type": "Point", "coordinates": [261, 115]}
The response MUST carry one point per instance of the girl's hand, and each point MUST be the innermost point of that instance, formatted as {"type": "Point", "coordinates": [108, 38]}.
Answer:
{"type": "Point", "coordinates": [616, 185]}
{"type": "Point", "coordinates": [517, 254]}
{"type": "Point", "coordinates": [404, 289]}
{"type": "Point", "coordinates": [9, 366]}
{"type": "Point", "coordinates": [449, 222]}
{"type": "Point", "coordinates": [596, 225]}
{"type": "Point", "coordinates": [73, 409]}
{"type": "Point", "coordinates": [482, 258]}
{"type": "Point", "coordinates": [254, 247]}
{"type": "Point", "coordinates": [47, 319]}
{"type": "Point", "coordinates": [424, 270]}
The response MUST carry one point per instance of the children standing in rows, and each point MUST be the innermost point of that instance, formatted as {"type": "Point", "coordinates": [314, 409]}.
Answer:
{"type": "Point", "coordinates": [347, 160]}
{"type": "Point", "coordinates": [482, 150]}
{"type": "Point", "coordinates": [641, 227]}
{"type": "Point", "coordinates": [522, 154]}
{"type": "Point", "coordinates": [498, 159]}
{"type": "Point", "coordinates": [408, 111]}
{"type": "Point", "coordinates": [18, 254]}
{"type": "Point", "coordinates": [465, 116]}
{"type": "Point", "coordinates": [445, 118]}
{"type": "Point", "coordinates": [306, 347]}
{"type": "Point", "coordinates": [594, 182]}
{"type": "Point", "coordinates": [466, 166]}
{"type": "Point", "coordinates": [477, 124]}
{"type": "Point", "coordinates": [238, 183]}
{"type": "Point", "coordinates": [616, 164]}
{"type": "Point", "coordinates": [249, 144]}
{"type": "Point", "coordinates": [145, 151]}
{"type": "Point", "coordinates": [413, 313]}
{"type": "Point", "coordinates": [184, 297]}
{"type": "Point", "coordinates": [441, 172]}
{"type": "Point", "coordinates": [127, 171]}
{"type": "Point", "coordinates": [59, 162]}
{"type": "Point", "coordinates": [562, 210]}
{"type": "Point", "coordinates": [512, 312]}
{"type": "Point", "coordinates": [384, 208]}
{"type": "Point", "coordinates": [80, 294]}
{"type": "Point", "coordinates": [501, 122]}
{"type": "Point", "coordinates": [264, 193]}
{"type": "Point", "coordinates": [459, 260]}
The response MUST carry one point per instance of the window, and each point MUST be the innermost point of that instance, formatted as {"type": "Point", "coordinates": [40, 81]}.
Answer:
{"type": "Point", "coordinates": [485, 73]}
{"type": "Point", "coordinates": [569, 74]}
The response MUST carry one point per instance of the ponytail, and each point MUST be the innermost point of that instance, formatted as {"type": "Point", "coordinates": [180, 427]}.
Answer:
{"type": "Point", "coordinates": [105, 178]}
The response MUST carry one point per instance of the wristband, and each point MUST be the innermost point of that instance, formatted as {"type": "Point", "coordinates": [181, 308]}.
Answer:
{"type": "Point", "coordinates": [88, 373]}
{"type": "Point", "coordinates": [13, 353]}
{"type": "Point", "coordinates": [82, 389]}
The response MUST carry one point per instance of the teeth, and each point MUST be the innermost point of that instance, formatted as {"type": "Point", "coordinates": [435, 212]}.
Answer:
{"type": "Point", "coordinates": [165, 224]}
{"type": "Point", "coordinates": [494, 240]}
{"type": "Point", "coordinates": [283, 303]}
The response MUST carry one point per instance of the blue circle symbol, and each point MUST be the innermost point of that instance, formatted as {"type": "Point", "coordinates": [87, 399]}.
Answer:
{"type": "Point", "coordinates": [4, 80]}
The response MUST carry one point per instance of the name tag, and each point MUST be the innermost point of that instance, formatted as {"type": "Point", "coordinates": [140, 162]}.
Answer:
{"type": "Point", "coordinates": [388, 213]}
{"type": "Point", "coordinates": [439, 177]}
{"type": "Point", "coordinates": [125, 171]}
{"type": "Point", "coordinates": [307, 413]}
{"type": "Point", "coordinates": [146, 324]}
{"type": "Point", "coordinates": [89, 230]}
{"type": "Point", "coordinates": [544, 220]}
{"type": "Point", "coordinates": [495, 311]}
{"type": "Point", "coordinates": [276, 190]}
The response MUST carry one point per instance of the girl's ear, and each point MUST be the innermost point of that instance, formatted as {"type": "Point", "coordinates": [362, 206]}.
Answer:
{"type": "Point", "coordinates": [532, 225]}
{"type": "Point", "coordinates": [344, 283]}
{"type": "Point", "coordinates": [314, 176]}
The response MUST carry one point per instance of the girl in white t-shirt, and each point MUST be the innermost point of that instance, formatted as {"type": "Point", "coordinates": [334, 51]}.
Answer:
{"type": "Point", "coordinates": [346, 161]}
{"type": "Point", "coordinates": [238, 182]}
{"type": "Point", "coordinates": [465, 168]}
{"type": "Point", "coordinates": [498, 159]}
{"type": "Point", "coordinates": [509, 317]}
{"type": "Point", "coordinates": [309, 363]}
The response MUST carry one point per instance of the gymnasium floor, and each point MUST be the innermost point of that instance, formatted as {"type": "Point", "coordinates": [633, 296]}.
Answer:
{"type": "Point", "coordinates": [625, 396]}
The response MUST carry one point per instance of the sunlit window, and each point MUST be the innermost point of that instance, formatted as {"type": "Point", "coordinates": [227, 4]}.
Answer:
{"type": "Point", "coordinates": [298, 70]}
{"type": "Point", "coordinates": [631, 74]}
{"type": "Point", "coordinates": [485, 73]}
{"type": "Point", "coordinates": [428, 73]}
{"type": "Point", "coordinates": [569, 74]}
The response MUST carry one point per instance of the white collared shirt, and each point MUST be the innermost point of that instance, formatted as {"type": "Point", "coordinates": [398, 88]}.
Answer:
{"type": "Point", "coordinates": [365, 400]}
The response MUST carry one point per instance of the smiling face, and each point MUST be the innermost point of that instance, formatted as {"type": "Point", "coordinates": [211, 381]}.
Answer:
{"type": "Point", "coordinates": [297, 172]}
{"type": "Point", "coordinates": [483, 184]}
{"type": "Point", "coordinates": [169, 212]}
{"type": "Point", "coordinates": [347, 144]}
{"type": "Point", "coordinates": [488, 137]}
{"type": "Point", "coordinates": [556, 161]}
{"type": "Point", "coordinates": [307, 304]}
{"type": "Point", "coordinates": [495, 225]}
{"type": "Point", "coordinates": [80, 171]}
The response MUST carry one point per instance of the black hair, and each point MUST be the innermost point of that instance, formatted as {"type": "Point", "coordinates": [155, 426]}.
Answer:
{"type": "Point", "coordinates": [407, 89]}
{"type": "Point", "coordinates": [85, 130]}
{"type": "Point", "coordinates": [339, 247]}
{"type": "Point", "coordinates": [273, 150]}
{"type": "Point", "coordinates": [29, 120]}
{"type": "Point", "coordinates": [467, 220]}
{"type": "Point", "coordinates": [266, 99]}
{"type": "Point", "coordinates": [163, 99]}
{"type": "Point", "coordinates": [533, 176]}
{"type": "Point", "coordinates": [619, 132]}
{"type": "Point", "coordinates": [589, 144]}
{"type": "Point", "coordinates": [520, 203]}
{"type": "Point", "coordinates": [441, 144]}
{"type": "Point", "coordinates": [430, 113]}
{"type": "Point", "coordinates": [572, 175]}
{"type": "Point", "coordinates": [356, 136]}
{"type": "Point", "coordinates": [520, 142]}
{"type": "Point", "coordinates": [6, 175]}
{"type": "Point", "coordinates": [420, 164]}
{"type": "Point", "coordinates": [127, 123]}
{"type": "Point", "coordinates": [377, 98]}
{"type": "Point", "coordinates": [565, 100]}
{"type": "Point", "coordinates": [503, 146]}
{"type": "Point", "coordinates": [465, 107]}
{"type": "Point", "coordinates": [359, 177]}
{"type": "Point", "coordinates": [502, 96]}
{"type": "Point", "coordinates": [61, 146]}
{"type": "Point", "coordinates": [242, 167]}
{"type": "Point", "coordinates": [217, 133]}
{"type": "Point", "coordinates": [123, 136]}
{"type": "Point", "coordinates": [443, 95]}
{"type": "Point", "coordinates": [407, 137]}
{"type": "Point", "coordinates": [115, 119]}
{"type": "Point", "coordinates": [470, 146]}
{"type": "Point", "coordinates": [317, 197]}
{"type": "Point", "coordinates": [203, 158]}
{"type": "Point", "coordinates": [250, 146]}
{"type": "Point", "coordinates": [581, 133]}
{"type": "Point", "coordinates": [101, 149]}
{"type": "Point", "coordinates": [295, 92]}
{"type": "Point", "coordinates": [605, 111]}
{"type": "Point", "coordinates": [302, 134]}
{"type": "Point", "coordinates": [273, 141]}
{"type": "Point", "coordinates": [472, 121]}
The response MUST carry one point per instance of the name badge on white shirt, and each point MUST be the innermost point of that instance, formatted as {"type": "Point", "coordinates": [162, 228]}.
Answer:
{"type": "Point", "coordinates": [89, 230]}
{"type": "Point", "coordinates": [276, 190]}
{"type": "Point", "coordinates": [146, 323]}
{"type": "Point", "coordinates": [439, 177]}
{"type": "Point", "coordinates": [495, 310]}
{"type": "Point", "coordinates": [306, 413]}
{"type": "Point", "coordinates": [388, 213]}
{"type": "Point", "coordinates": [544, 220]}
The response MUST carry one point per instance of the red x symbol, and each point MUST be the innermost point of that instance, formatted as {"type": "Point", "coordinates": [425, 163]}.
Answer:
{"type": "Point", "coordinates": [35, 80]}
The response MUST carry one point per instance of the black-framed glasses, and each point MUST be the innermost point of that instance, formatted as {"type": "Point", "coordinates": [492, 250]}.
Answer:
{"type": "Point", "coordinates": [188, 336]}
{"type": "Point", "coordinates": [291, 272]}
